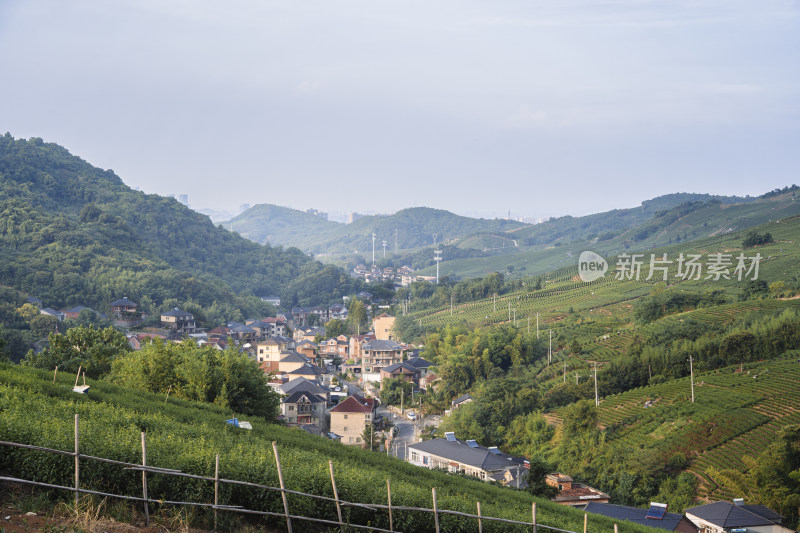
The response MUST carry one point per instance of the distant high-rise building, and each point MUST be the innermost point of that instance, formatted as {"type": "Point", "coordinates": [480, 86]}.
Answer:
{"type": "Point", "coordinates": [244, 207]}
{"type": "Point", "coordinates": [353, 217]}
{"type": "Point", "coordinates": [315, 212]}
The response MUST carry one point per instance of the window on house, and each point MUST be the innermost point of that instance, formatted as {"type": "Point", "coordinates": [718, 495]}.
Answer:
{"type": "Point", "coordinates": [291, 407]}
{"type": "Point", "coordinates": [345, 417]}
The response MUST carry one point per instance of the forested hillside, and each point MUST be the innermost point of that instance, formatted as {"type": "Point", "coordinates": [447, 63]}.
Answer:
{"type": "Point", "coordinates": [73, 234]}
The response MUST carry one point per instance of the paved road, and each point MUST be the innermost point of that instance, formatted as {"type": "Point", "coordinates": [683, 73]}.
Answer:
{"type": "Point", "coordinates": [405, 436]}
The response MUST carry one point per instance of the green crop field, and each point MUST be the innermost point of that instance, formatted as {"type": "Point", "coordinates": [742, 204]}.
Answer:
{"type": "Point", "coordinates": [735, 414]}
{"type": "Point", "coordinates": [186, 436]}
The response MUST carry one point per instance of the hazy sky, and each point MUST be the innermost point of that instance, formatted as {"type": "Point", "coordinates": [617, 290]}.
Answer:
{"type": "Point", "coordinates": [543, 107]}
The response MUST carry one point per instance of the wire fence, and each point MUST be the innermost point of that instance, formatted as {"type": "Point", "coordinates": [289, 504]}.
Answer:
{"type": "Point", "coordinates": [286, 515]}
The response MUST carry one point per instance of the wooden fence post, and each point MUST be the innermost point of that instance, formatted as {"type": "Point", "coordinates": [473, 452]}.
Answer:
{"type": "Point", "coordinates": [480, 522]}
{"type": "Point", "coordinates": [533, 512]}
{"type": "Point", "coordinates": [585, 521]}
{"type": "Point", "coordinates": [389, 496]}
{"type": "Point", "coordinates": [616, 529]}
{"type": "Point", "coordinates": [144, 482]}
{"type": "Point", "coordinates": [77, 464]}
{"type": "Point", "coordinates": [336, 497]}
{"type": "Point", "coordinates": [435, 510]}
{"type": "Point", "coordinates": [55, 372]}
{"type": "Point", "coordinates": [216, 489]}
{"type": "Point", "coordinates": [283, 488]}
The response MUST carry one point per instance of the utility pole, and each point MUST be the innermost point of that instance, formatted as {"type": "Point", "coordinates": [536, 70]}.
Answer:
{"type": "Point", "coordinates": [494, 301]}
{"type": "Point", "coordinates": [451, 303]}
{"type": "Point", "coordinates": [402, 394]}
{"type": "Point", "coordinates": [437, 256]}
{"type": "Point", "coordinates": [596, 399]}
{"type": "Point", "coordinates": [434, 238]}
{"type": "Point", "coordinates": [691, 375]}
{"type": "Point", "coordinates": [565, 371]}
{"type": "Point", "coordinates": [395, 241]}
{"type": "Point", "coordinates": [550, 351]}
{"type": "Point", "coordinates": [373, 249]}
{"type": "Point", "coordinates": [537, 325]}
{"type": "Point", "coordinates": [384, 249]}
{"type": "Point", "coordinates": [576, 378]}
{"type": "Point", "coordinates": [515, 317]}
{"type": "Point", "coordinates": [529, 325]}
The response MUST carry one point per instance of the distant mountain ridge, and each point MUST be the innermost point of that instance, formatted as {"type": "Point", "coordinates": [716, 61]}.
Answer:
{"type": "Point", "coordinates": [407, 229]}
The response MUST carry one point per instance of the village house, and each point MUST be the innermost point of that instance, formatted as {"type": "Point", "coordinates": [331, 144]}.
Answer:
{"type": "Point", "coordinates": [122, 307]}
{"type": "Point", "coordinates": [303, 384]}
{"type": "Point", "coordinates": [268, 354]}
{"type": "Point", "coordinates": [306, 315]}
{"type": "Point", "coordinates": [290, 361]}
{"type": "Point", "coordinates": [338, 347]}
{"type": "Point", "coordinates": [461, 400]}
{"type": "Point", "coordinates": [357, 343]}
{"type": "Point", "coordinates": [377, 354]}
{"type": "Point", "coordinates": [351, 417]}
{"type": "Point", "coordinates": [268, 327]}
{"type": "Point", "coordinates": [383, 326]}
{"type": "Point", "coordinates": [314, 372]}
{"type": "Point", "coordinates": [729, 517]}
{"type": "Point", "coordinates": [302, 408]}
{"type": "Point", "coordinates": [645, 517]}
{"type": "Point", "coordinates": [422, 366]}
{"type": "Point", "coordinates": [73, 312]}
{"type": "Point", "coordinates": [337, 312]}
{"type": "Point", "coordinates": [402, 371]}
{"type": "Point", "coordinates": [574, 494]}
{"type": "Point", "coordinates": [241, 332]}
{"type": "Point", "coordinates": [467, 457]}
{"type": "Point", "coordinates": [308, 349]}
{"type": "Point", "coordinates": [307, 333]}
{"type": "Point", "coordinates": [52, 312]}
{"type": "Point", "coordinates": [178, 321]}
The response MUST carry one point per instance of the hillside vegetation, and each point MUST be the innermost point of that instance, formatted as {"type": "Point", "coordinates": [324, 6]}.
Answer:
{"type": "Point", "coordinates": [646, 440]}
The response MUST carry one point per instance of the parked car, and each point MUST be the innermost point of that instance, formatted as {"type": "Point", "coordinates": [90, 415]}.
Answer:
{"type": "Point", "coordinates": [412, 415]}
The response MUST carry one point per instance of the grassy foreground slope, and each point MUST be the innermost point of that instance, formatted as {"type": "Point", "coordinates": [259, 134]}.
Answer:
{"type": "Point", "coordinates": [186, 436]}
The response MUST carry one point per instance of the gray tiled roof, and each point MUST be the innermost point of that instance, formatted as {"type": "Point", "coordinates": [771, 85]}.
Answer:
{"type": "Point", "coordinates": [727, 515]}
{"type": "Point", "coordinates": [297, 395]}
{"type": "Point", "coordinates": [309, 370]}
{"type": "Point", "coordinates": [303, 384]}
{"type": "Point", "coordinates": [461, 399]}
{"type": "Point", "coordinates": [635, 515]}
{"type": "Point", "coordinates": [397, 366]}
{"type": "Point", "coordinates": [418, 362]}
{"type": "Point", "coordinates": [461, 452]}
{"type": "Point", "coordinates": [294, 358]}
{"type": "Point", "coordinates": [376, 344]}
{"type": "Point", "coordinates": [176, 312]}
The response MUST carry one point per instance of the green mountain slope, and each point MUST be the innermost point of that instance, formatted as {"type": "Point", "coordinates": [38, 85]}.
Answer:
{"type": "Point", "coordinates": [406, 229]}
{"type": "Point", "coordinates": [71, 233]}
{"type": "Point", "coordinates": [556, 244]}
